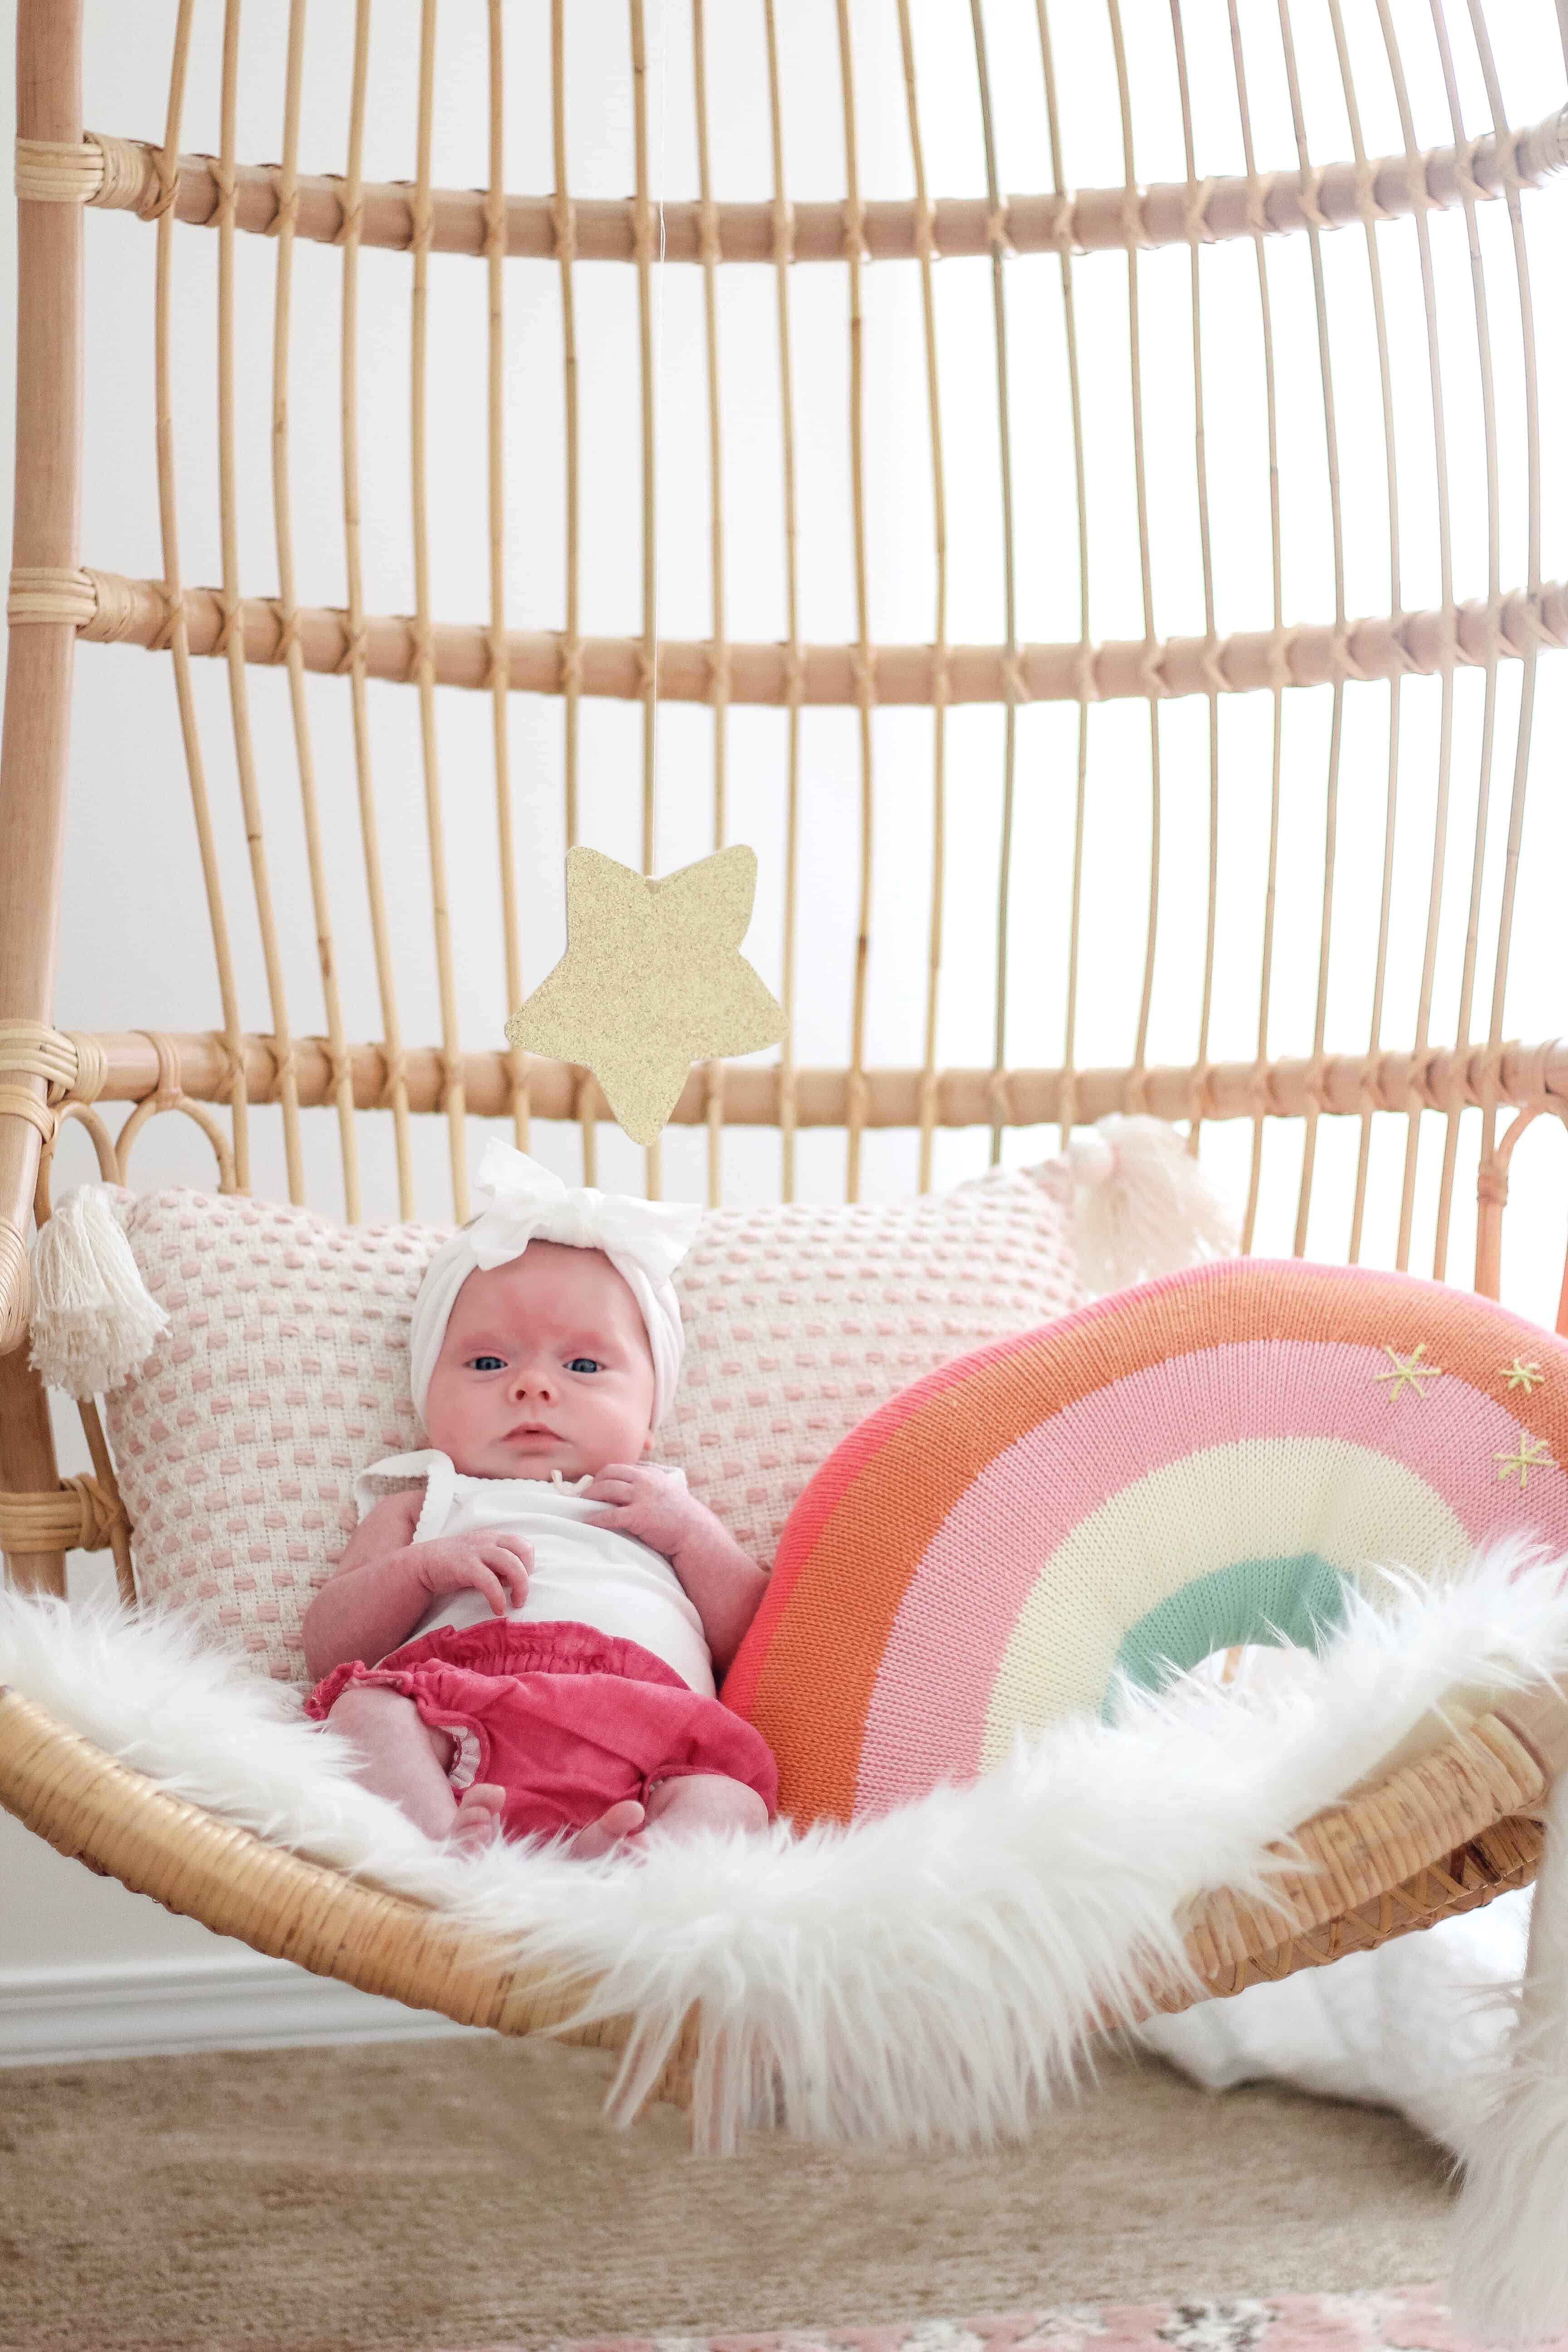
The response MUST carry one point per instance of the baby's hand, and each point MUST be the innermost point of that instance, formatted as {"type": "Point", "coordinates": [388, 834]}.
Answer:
{"type": "Point", "coordinates": [652, 1505]}
{"type": "Point", "coordinates": [498, 1566]}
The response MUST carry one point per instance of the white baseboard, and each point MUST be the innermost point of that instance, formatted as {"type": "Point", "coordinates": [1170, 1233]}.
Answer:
{"type": "Point", "coordinates": [134, 2008]}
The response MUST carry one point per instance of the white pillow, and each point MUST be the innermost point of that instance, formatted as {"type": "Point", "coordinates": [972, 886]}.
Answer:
{"type": "Point", "coordinates": [800, 1321]}
{"type": "Point", "coordinates": [284, 1370]}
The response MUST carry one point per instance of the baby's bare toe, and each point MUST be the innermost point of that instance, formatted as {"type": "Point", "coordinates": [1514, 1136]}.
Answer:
{"type": "Point", "coordinates": [477, 1818]}
{"type": "Point", "coordinates": [621, 1821]}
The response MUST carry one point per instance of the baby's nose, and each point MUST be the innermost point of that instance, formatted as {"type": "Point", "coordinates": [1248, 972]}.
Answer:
{"type": "Point", "coordinates": [533, 1380]}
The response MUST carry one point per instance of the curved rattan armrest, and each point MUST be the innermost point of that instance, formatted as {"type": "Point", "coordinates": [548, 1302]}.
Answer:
{"type": "Point", "coordinates": [117, 1822]}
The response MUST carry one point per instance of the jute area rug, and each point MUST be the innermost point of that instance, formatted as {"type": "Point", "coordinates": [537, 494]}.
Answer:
{"type": "Point", "coordinates": [453, 2195]}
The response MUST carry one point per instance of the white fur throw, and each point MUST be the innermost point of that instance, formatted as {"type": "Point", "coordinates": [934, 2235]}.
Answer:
{"type": "Point", "coordinates": [934, 1973]}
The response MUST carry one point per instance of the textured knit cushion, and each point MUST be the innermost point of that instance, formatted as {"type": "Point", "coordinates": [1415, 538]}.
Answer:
{"type": "Point", "coordinates": [285, 1368]}
{"type": "Point", "coordinates": [1209, 1460]}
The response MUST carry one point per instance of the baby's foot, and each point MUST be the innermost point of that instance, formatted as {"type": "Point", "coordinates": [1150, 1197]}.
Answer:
{"type": "Point", "coordinates": [610, 1830]}
{"type": "Point", "coordinates": [699, 1802]}
{"type": "Point", "coordinates": [477, 1818]}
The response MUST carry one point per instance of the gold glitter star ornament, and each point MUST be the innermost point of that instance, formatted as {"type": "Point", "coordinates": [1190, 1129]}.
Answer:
{"type": "Point", "coordinates": [652, 981]}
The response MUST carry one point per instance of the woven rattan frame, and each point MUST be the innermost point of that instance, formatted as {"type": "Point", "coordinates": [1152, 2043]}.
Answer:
{"type": "Point", "coordinates": [1441, 1836]}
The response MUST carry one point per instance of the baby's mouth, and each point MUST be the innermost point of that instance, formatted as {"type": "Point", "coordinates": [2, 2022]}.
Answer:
{"type": "Point", "coordinates": [531, 1429]}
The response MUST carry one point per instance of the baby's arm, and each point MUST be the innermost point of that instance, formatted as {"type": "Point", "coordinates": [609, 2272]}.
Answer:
{"type": "Point", "coordinates": [722, 1582]}
{"type": "Point", "coordinates": [385, 1582]}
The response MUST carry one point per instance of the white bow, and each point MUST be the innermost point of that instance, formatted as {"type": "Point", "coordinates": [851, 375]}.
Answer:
{"type": "Point", "coordinates": [521, 1202]}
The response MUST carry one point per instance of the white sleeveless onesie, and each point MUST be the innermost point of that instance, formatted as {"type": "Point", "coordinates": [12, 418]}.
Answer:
{"type": "Point", "coordinates": [582, 1574]}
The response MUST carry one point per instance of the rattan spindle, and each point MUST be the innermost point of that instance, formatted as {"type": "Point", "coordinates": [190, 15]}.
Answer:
{"type": "Point", "coordinates": [1279, 667]}
{"type": "Point", "coordinates": [939, 616]}
{"type": "Point", "coordinates": [1487, 1216]}
{"type": "Point", "coordinates": [231, 641]}
{"type": "Point", "coordinates": [392, 1094]}
{"type": "Point", "coordinates": [288, 605]}
{"type": "Point", "coordinates": [1152, 683]}
{"type": "Point", "coordinates": [1206, 546]}
{"type": "Point", "coordinates": [1446, 723]}
{"type": "Point", "coordinates": [782, 254]}
{"type": "Point", "coordinates": [495, 447]}
{"type": "Point", "coordinates": [170, 625]}
{"type": "Point", "coordinates": [1336, 722]}
{"type": "Point", "coordinates": [33, 763]}
{"type": "Point", "coordinates": [864, 659]}
{"type": "Point", "coordinates": [569, 653]}
{"type": "Point", "coordinates": [714, 1073]}
{"type": "Point", "coordinates": [1490, 1239]}
{"type": "Point", "coordinates": [1083, 666]}
{"type": "Point", "coordinates": [646, 229]}
{"type": "Point", "coordinates": [424, 671]}
{"type": "Point", "coordinates": [1011, 681]}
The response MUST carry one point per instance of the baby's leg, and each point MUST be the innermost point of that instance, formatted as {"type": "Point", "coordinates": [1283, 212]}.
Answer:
{"type": "Point", "coordinates": [703, 1801]}
{"type": "Point", "coordinates": [406, 1759]}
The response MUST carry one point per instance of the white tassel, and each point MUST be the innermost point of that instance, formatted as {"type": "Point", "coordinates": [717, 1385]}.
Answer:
{"type": "Point", "coordinates": [94, 1321]}
{"type": "Point", "coordinates": [1142, 1205]}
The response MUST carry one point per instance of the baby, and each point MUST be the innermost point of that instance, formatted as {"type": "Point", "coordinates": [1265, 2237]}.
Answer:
{"type": "Point", "coordinates": [527, 1641]}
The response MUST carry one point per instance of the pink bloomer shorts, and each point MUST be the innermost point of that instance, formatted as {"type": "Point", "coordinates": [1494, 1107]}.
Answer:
{"type": "Point", "coordinates": [567, 1720]}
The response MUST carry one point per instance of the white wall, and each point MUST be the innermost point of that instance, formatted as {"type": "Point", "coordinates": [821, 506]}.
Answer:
{"type": "Point", "coordinates": [134, 945]}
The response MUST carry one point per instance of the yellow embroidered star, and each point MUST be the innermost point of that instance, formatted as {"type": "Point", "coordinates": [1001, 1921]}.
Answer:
{"type": "Point", "coordinates": [1522, 1376]}
{"type": "Point", "coordinates": [652, 981]}
{"type": "Point", "coordinates": [1408, 1370]}
{"type": "Point", "coordinates": [1532, 1454]}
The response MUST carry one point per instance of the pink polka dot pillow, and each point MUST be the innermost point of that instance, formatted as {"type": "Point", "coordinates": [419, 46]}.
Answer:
{"type": "Point", "coordinates": [284, 1369]}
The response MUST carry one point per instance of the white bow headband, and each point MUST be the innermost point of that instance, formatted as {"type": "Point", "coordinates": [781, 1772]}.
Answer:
{"type": "Point", "coordinates": [520, 1201]}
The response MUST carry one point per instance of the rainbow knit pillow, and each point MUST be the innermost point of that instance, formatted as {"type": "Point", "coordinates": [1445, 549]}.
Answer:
{"type": "Point", "coordinates": [1212, 1459]}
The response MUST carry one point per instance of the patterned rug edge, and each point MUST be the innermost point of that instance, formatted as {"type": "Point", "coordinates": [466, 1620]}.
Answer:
{"type": "Point", "coordinates": [1403, 2319]}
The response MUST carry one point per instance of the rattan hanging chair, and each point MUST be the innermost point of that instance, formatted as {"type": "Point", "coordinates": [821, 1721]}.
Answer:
{"type": "Point", "coordinates": [1056, 280]}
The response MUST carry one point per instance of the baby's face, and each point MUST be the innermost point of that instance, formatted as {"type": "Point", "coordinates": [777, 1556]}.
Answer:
{"type": "Point", "coordinates": [545, 1366]}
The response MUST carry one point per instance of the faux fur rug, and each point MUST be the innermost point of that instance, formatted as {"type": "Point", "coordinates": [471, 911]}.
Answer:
{"type": "Point", "coordinates": [932, 1974]}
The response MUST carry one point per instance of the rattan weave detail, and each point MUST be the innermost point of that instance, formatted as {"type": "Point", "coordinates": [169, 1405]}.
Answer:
{"type": "Point", "coordinates": [80, 1515]}
{"type": "Point", "coordinates": [1341, 1084]}
{"type": "Point", "coordinates": [394, 645]}
{"type": "Point", "coordinates": [88, 1805]}
{"type": "Point", "coordinates": [44, 593]}
{"type": "Point", "coordinates": [1089, 220]}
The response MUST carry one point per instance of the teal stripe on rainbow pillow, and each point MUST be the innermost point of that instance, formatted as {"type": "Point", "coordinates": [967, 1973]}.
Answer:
{"type": "Point", "coordinates": [1273, 1603]}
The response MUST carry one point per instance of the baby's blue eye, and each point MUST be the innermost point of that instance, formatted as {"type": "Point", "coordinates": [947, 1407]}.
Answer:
{"type": "Point", "coordinates": [584, 1364]}
{"type": "Point", "coordinates": [486, 1363]}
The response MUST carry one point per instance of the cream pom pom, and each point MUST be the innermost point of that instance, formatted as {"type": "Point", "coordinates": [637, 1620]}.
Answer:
{"type": "Point", "coordinates": [94, 1321]}
{"type": "Point", "coordinates": [1142, 1205]}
